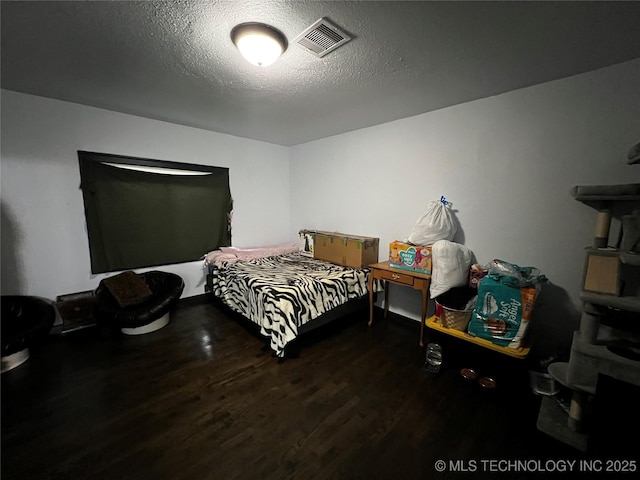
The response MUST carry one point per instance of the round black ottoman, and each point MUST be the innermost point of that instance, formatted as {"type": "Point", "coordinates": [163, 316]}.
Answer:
{"type": "Point", "coordinates": [25, 320]}
{"type": "Point", "coordinates": [144, 316]}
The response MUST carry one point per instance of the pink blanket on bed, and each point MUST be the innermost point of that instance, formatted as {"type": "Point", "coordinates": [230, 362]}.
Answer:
{"type": "Point", "coordinates": [231, 254]}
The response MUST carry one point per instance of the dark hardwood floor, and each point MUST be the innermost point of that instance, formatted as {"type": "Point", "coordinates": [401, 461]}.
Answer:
{"type": "Point", "coordinates": [201, 399]}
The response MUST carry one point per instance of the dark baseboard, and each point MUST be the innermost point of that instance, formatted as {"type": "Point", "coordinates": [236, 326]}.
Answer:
{"type": "Point", "coordinates": [378, 313]}
{"type": "Point", "coordinates": [200, 299]}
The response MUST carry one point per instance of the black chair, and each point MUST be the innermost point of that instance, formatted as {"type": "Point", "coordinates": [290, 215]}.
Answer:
{"type": "Point", "coordinates": [25, 321]}
{"type": "Point", "coordinates": [150, 313]}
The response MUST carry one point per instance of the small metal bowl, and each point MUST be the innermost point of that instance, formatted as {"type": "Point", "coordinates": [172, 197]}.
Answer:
{"type": "Point", "coordinates": [468, 373]}
{"type": "Point", "coordinates": [487, 382]}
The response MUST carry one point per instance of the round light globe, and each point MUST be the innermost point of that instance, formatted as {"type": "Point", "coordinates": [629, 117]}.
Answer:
{"type": "Point", "coordinates": [258, 43]}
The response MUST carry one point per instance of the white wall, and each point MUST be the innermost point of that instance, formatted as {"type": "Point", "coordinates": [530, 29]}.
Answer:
{"type": "Point", "coordinates": [44, 243]}
{"type": "Point", "coordinates": [507, 163]}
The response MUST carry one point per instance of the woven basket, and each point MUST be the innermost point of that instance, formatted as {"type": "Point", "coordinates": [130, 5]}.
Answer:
{"type": "Point", "coordinates": [455, 319]}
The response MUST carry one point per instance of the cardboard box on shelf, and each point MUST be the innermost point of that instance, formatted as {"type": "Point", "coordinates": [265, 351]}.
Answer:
{"type": "Point", "coordinates": [406, 256]}
{"type": "Point", "coordinates": [345, 249]}
{"type": "Point", "coordinates": [602, 273]}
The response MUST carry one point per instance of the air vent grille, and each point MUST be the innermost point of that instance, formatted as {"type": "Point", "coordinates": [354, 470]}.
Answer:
{"type": "Point", "coordinates": [321, 38]}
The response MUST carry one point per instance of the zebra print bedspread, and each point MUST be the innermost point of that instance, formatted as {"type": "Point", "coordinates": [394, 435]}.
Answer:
{"type": "Point", "coordinates": [282, 293]}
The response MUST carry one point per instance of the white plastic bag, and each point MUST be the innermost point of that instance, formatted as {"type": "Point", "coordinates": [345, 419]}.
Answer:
{"type": "Point", "coordinates": [450, 266]}
{"type": "Point", "coordinates": [436, 223]}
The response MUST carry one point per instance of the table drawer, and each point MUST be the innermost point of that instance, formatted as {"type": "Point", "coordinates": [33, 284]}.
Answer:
{"type": "Point", "coordinates": [395, 277]}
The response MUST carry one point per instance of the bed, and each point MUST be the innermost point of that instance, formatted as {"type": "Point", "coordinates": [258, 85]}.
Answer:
{"type": "Point", "coordinates": [283, 291]}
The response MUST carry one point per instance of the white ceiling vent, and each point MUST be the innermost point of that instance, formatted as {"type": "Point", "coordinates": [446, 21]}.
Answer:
{"type": "Point", "coordinates": [321, 38]}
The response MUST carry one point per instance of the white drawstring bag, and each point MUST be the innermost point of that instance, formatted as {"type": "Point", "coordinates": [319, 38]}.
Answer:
{"type": "Point", "coordinates": [435, 223]}
{"type": "Point", "coordinates": [450, 266]}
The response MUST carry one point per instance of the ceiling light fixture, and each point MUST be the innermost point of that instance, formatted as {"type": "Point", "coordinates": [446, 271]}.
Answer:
{"type": "Point", "coordinates": [260, 44]}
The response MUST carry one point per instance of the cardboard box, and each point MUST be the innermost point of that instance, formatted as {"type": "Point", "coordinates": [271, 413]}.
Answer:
{"type": "Point", "coordinates": [476, 274]}
{"type": "Point", "coordinates": [602, 273]}
{"type": "Point", "coordinates": [344, 249]}
{"type": "Point", "coordinates": [416, 258]}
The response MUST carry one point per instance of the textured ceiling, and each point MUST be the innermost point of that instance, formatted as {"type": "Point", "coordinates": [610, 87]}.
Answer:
{"type": "Point", "coordinates": [174, 60]}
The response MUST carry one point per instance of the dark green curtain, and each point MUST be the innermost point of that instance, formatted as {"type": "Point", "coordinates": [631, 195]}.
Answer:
{"type": "Point", "coordinates": [139, 219]}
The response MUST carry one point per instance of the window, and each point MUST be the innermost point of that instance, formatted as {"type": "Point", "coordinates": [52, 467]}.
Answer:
{"type": "Point", "coordinates": [143, 212]}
